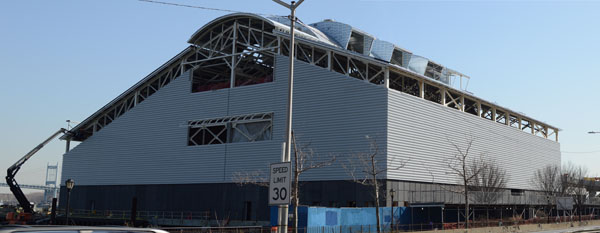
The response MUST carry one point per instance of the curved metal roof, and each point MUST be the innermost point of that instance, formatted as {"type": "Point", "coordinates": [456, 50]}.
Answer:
{"type": "Point", "coordinates": [281, 24]}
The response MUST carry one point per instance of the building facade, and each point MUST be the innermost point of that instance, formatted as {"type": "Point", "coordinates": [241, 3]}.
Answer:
{"type": "Point", "coordinates": [180, 138]}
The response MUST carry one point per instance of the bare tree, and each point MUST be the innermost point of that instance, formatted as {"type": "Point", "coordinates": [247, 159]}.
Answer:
{"type": "Point", "coordinates": [549, 180]}
{"type": "Point", "coordinates": [575, 182]}
{"type": "Point", "coordinates": [488, 184]}
{"type": "Point", "coordinates": [461, 166]}
{"type": "Point", "coordinates": [365, 169]}
{"type": "Point", "coordinates": [304, 160]}
{"type": "Point", "coordinates": [250, 178]}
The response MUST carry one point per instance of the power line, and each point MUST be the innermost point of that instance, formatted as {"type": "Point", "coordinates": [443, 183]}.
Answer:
{"type": "Point", "coordinates": [201, 7]}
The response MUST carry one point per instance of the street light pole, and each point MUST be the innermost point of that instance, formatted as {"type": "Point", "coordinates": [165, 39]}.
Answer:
{"type": "Point", "coordinates": [69, 185]}
{"type": "Point", "coordinates": [283, 209]}
{"type": "Point", "coordinates": [549, 208]}
{"type": "Point", "coordinates": [392, 191]}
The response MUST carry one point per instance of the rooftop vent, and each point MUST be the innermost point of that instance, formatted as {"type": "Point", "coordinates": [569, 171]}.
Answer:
{"type": "Point", "coordinates": [356, 43]}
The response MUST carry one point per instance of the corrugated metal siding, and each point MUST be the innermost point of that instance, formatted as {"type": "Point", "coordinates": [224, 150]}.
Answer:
{"type": "Point", "coordinates": [334, 113]}
{"type": "Point", "coordinates": [419, 132]}
{"type": "Point", "coordinates": [148, 144]}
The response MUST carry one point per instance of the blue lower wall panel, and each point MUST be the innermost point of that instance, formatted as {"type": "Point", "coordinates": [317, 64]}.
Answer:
{"type": "Point", "coordinates": [344, 220]}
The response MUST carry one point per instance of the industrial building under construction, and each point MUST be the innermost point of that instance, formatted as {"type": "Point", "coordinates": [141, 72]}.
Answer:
{"type": "Point", "coordinates": [177, 138]}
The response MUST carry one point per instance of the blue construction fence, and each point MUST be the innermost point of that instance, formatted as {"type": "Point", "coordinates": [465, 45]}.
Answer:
{"type": "Point", "coordinates": [347, 219]}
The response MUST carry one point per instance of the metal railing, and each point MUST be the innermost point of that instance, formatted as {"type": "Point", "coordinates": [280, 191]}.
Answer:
{"type": "Point", "coordinates": [503, 198]}
{"type": "Point", "coordinates": [480, 218]}
{"type": "Point", "coordinates": [147, 215]}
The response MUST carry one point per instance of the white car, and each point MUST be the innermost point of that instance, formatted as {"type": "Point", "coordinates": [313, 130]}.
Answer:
{"type": "Point", "coordinates": [75, 229]}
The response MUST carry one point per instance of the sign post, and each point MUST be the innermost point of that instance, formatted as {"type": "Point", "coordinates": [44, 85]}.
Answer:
{"type": "Point", "coordinates": [279, 183]}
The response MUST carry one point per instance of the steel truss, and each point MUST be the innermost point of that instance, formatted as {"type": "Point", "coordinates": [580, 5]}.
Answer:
{"type": "Point", "coordinates": [220, 130]}
{"type": "Point", "coordinates": [251, 37]}
{"type": "Point", "coordinates": [246, 46]}
{"type": "Point", "coordinates": [396, 77]}
{"type": "Point", "coordinates": [243, 45]}
{"type": "Point", "coordinates": [157, 80]}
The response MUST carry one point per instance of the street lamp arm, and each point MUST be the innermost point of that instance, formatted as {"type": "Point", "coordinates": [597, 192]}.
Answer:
{"type": "Point", "coordinates": [298, 4]}
{"type": "Point", "coordinates": [282, 3]}
{"type": "Point", "coordinates": [594, 132]}
{"type": "Point", "coordinates": [289, 6]}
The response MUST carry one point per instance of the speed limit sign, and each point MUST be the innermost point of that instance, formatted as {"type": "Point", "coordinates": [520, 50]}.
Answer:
{"type": "Point", "coordinates": [279, 184]}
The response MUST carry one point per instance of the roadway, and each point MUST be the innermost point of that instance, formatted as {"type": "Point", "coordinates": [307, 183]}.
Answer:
{"type": "Point", "coordinates": [584, 229]}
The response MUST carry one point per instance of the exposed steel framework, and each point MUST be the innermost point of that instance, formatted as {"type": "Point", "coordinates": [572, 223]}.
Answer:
{"type": "Point", "coordinates": [239, 49]}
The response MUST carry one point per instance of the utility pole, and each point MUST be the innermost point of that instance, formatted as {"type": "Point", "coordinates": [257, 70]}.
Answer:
{"type": "Point", "coordinates": [282, 220]}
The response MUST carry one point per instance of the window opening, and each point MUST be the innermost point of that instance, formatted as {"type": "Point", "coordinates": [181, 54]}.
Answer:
{"type": "Point", "coordinates": [453, 100]}
{"type": "Point", "coordinates": [404, 84]}
{"type": "Point", "coordinates": [321, 58]}
{"type": "Point", "coordinates": [410, 86]}
{"type": "Point", "coordinates": [212, 75]}
{"type": "Point", "coordinates": [207, 134]}
{"type": "Point", "coordinates": [397, 58]}
{"type": "Point", "coordinates": [471, 107]}
{"type": "Point", "coordinates": [551, 131]}
{"type": "Point", "coordinates": [244, 128]}
{"type": "Point", "coordinates": [525, 124]}
{"type": "Point", "coordinates": [304, 53]}
{"type": "Point", "coordinates": [356, 43]}
{"type": "Point", "coordinates": [514, 121]}
{"type": "Point", "coordinates": [143, 95]}
{"type": "Point", "coordinates": [253, 68]}
{"type": "Point", "coordinates": [433, 93]}
{"type": "Point", "coordinates": [340, 64]}
{"type": "Point", "coordinates": [516, 192]}
{"type": "Point", "coordinates": [540, 130]}
{"type": "Point", "coordinates": [500, 117]}
{"type": "Point", "coordinates": [251, 131]}
{"type": "Point", "coordinates": [357, 69]}
{"type": "Point", "coordinates": [486, 112]}
{"type": "Point", "coordinates": [269, 41]}
{"type": "Point", "coordinates": [395, 80]}
{"type": "Point", "coordinates": [376, 74]}
{"type": "Point", "coordinates": [285, 47]}
{"type": "Point", "coordinates": [433, 71]}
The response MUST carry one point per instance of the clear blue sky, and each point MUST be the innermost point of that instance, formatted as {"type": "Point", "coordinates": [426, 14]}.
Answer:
{"type": "Point", "coordinates": [65, 59]}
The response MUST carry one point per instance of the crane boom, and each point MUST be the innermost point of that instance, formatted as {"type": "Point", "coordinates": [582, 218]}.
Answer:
{"type": "Point", "coordinates": [12, 171]}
